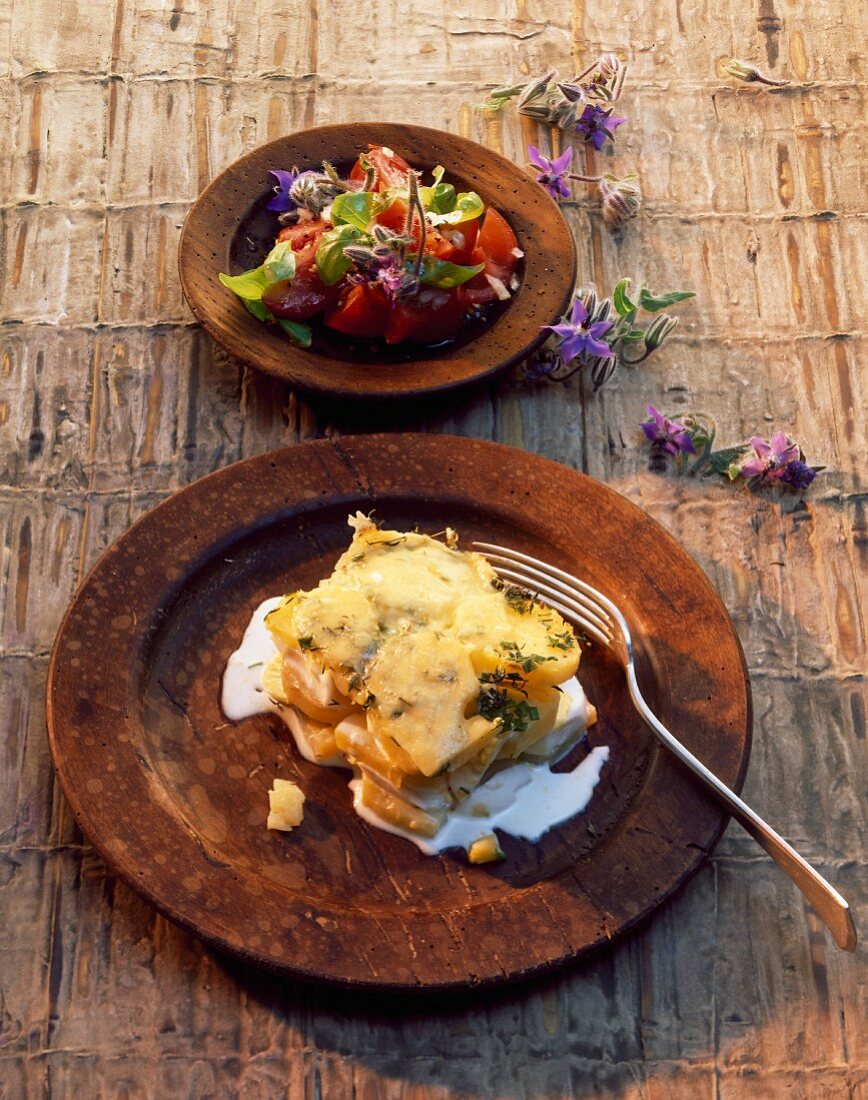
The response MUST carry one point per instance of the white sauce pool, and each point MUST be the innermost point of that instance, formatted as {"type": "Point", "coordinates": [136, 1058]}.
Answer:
{"type": "Point", "coordinates": [524, 800]}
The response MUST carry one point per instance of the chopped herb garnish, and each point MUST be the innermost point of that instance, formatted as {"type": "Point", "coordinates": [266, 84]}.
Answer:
{"type": "Point", "coordinates": [519, 599]}
{"type": "Point", "coordinates": [256, 664]}
{"type": "Point", "coordinates": [500, 676]}
{"type": "Point", "coordinates": [388, 542]}
{"type": "Point", "coordinates": [306, 643]}
{"type": "Point", "coordinates": [514, 715]}
{"type": "Point", "coordinates": [528, 662]}
{"type": "Point", "coordinates": [565, 640]}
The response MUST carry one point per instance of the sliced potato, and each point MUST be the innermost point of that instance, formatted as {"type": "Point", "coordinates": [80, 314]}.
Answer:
{"type": "Point", "coordinates": [286, 806]}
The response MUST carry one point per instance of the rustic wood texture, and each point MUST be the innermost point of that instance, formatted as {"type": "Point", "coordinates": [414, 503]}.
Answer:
{"type": "Point", "coordinates": [116, 114]}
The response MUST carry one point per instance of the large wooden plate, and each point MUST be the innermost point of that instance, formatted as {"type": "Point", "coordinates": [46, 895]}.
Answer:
{"type": "Point", "coordinates": [174, 797]}
{"type": "Point", "coordinates": [224, 231]}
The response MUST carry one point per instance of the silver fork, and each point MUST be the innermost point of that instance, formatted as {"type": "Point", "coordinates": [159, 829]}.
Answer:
{"type": "Point", "coordinates": [601, 620]}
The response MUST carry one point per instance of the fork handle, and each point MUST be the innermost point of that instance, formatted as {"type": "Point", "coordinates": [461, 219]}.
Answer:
{"type": "Point", "coordinates": [832, 908]}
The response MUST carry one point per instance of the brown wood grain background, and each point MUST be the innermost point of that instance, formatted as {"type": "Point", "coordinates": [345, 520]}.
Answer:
{"type": "Point", "coordinates": [115, 114]}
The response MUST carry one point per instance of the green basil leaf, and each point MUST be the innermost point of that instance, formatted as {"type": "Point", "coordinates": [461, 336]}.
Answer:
{"type": "Point", "coordinates": [353, 208]}
{"type": "Point", "coordinates": [279, 264]}
{"type": "Point", "coordinates": [299, 334]}
{"type": "Point", "coordinates": [652, 303]}
{"type": "Point", "coordinates": [443, 199]}
{"type": "Point", "coordinates": [623, 304]}
{"type": "Point", "coordinates": [331, 263]}
{"type": "Point", "coordinates": [249, 285]}
{"type": "Point", "coordinates": [259, 309]}
{"type": "Point", "coordinates": [468, 205]}
{"type": "Point", "coordinates": [446, 275]}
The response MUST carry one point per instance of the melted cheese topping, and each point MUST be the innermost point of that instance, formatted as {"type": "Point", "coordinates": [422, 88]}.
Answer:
{"type": "Point", "coordinates": [416, 667]}
{"type": "Point", "coordinates": [447, 661]}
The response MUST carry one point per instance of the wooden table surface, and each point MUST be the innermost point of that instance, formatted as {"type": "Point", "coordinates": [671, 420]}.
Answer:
{"type": "Point", "coordinates": [116, 114]}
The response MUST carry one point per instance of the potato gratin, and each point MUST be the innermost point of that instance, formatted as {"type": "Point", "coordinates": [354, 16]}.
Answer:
{"type": "Point", "coordinates": [417, 667]}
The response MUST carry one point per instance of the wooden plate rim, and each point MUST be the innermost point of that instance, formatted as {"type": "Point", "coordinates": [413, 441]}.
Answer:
{"type": "Point", "coordinates": [351, 453]}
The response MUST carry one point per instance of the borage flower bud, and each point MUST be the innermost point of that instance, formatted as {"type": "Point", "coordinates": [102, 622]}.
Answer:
{"type": "Point", "coordinates": [621, 201]}
{"type": "Point", "coordinates": [537, 110]}
{"type": "Point", "coordinates": [609, 66]}
{"type": "Point", "coordinates": [750, 74]}
{"type": "Point", "coordinates": [658, 330]}
{"type": "Point", "coordinates": [602, 370]}
{"type": "Point", "coordinates": [313, 192]}
{"type": "Point", "coordinates": [536, 88]}
{"type": "Point", "coordinates": [541, 365]}
{"type": "Point", "coordinates": [575, 93]}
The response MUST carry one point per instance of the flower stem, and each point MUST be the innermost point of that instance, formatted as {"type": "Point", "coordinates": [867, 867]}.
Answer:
{"type": "Point", "coordinates": [334, 178]}
{"type": "Point", "coordinates": [414, 206]}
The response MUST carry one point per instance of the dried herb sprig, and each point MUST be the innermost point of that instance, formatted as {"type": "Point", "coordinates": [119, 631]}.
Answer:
{"type": "Point", "coordinates": [601, 333]}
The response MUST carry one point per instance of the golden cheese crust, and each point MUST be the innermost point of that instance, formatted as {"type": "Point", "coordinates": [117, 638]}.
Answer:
{"type": "Point", "coordinates": [427, 667]}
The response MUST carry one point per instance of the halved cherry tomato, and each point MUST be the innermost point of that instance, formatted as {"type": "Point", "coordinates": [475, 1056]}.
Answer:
{"type": "Point", "coordinates": [427, 318]}
{"type": "Point", "coordinates": [361, 311]}
{"type": "Point", "coordinates": [390, 169]}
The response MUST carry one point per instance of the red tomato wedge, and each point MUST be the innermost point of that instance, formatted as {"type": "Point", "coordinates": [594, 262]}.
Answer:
{"type": "Point", "coordinates": [494, 248]}
{"type": "Point", "coordinates": [394, 216]}
{"type": "Point", "coordinates": [362, 311]}
{"type": "Point", "coordinates": [429, 317]}
{"type": "Point", "coordinates": [390, 169]}
{"type": "Point", "coordinates": [497, 240]}
{"type": "Point", "coordinates": [454, 243]}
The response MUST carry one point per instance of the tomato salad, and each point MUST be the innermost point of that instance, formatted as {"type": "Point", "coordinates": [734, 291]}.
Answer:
{"type": "Point", "coordinates": [376, 255]}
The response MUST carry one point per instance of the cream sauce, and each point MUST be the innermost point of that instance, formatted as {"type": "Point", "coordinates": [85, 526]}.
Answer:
{"type": "Point", "coordinates": [524, 799]}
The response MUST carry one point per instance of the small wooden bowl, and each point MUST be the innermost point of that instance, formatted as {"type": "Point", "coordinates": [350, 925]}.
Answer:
{"type": "Point", "coordinates": [216, 234]}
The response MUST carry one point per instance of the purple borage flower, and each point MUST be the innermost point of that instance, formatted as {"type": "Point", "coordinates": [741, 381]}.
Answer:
{"type": "Point", "coordinates": [597, 124]}
{"type": "Point", "coordinates": [576, 337]}
{"type": "Point", "coordinates": [778, 459]}
{"type": "Point", "coordinates": [282, 200]}
{"type": "Point", "coordinates": [552, 172]}
{"type": "Point", "coordinates": [669, 435]}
